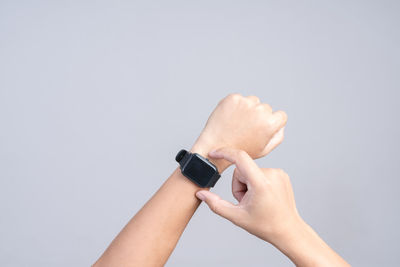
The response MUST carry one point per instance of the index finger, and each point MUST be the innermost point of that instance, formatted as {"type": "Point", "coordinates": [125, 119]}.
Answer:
{"type": "Point", "coordinates": [244, 163]}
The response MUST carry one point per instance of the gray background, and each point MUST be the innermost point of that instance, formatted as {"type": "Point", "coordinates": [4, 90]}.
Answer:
{"type": "Point", "coordinates": [97, 97]}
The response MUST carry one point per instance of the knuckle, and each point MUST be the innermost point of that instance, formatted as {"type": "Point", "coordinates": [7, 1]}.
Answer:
{"type": "Point", "coordinates": [282, 174]}
{"type": "Point", "coordinates": [254, 98]}
{"type": "Point", "coordinates": [233, 97]}
{"type": "Point", "coordinates": [267, 171]}
{"type": "Point", "coordinates": [284, 116]}
{"type": "Point", "coordinates": [267, 107]}
{"type": "Point", "coordinates": [260, 108]}
{"type": "Point", "coordinates": [273, 173]}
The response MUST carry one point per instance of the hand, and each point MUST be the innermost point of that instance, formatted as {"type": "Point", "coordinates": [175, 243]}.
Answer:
{"type": "Point", "coordinates": [242, 123]}
{"type": "Point", "coordinates": [267, 209]}
{"type": "Point", "coordinates": [266, 205]}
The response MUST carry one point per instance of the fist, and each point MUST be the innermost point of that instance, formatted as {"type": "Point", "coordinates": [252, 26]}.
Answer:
{"type": "Point", "coordinates": [241, 123]}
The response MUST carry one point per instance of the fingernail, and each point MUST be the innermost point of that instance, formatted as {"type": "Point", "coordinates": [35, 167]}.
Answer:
{"type": "Point", "coordinates": [200, 195]}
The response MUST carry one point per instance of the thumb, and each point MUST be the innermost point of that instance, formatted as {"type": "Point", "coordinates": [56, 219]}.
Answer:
{"type": "Point", "coordinates": [219, 206]}
{"type": "Point", "coordinates": [276, 140]}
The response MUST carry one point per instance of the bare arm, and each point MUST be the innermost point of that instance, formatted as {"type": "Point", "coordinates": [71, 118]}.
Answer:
{"type": "Point", "coordinates": [151, 235]}
{"type": "Point", "coordinates": [267, 209]}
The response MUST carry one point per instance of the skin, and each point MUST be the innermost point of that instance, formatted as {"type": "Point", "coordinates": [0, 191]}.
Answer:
{"type": "Point", "coordinates": [266, 208]}
{"type": "Point", "coordinates": [151, 235]}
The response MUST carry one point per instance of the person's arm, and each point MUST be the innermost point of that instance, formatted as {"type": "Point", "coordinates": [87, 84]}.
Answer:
{"type": "Point", "coordinates": [152, 234]}
{"type": "Point", "coordinates": [267, 209]}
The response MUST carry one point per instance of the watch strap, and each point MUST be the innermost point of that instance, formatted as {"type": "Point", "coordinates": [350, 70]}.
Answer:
{"type": "Point", "coordinates": [213, 180]}
{"type": "Point", "coordinates": [183, 157]}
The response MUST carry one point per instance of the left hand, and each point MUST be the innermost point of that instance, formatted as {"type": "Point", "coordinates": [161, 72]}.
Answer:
{"type": "Point", "coordinates": [241, 123]}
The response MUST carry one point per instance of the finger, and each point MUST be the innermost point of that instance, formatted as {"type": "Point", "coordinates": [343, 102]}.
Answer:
{"type": "Point", "coordinates": [278, 120]}
{"type": "Point", "coordinates": [245, 164]}
{"type": "Point", "coordinates": [219, 206]}
{"type": "Point", "coordinates": [267, 107]}
{"type": "Point", "coordinates": [254, 99]}
{"type": "Point", "coordinates": [239, 187]}
{"type": "Point", "coordinates": [276, 140]}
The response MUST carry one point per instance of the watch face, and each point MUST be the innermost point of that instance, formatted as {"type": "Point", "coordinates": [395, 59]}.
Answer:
{"type": "Point", "coordinates": [199, 170]}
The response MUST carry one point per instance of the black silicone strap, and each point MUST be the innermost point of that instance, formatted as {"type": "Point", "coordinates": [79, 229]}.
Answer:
{"type": "Point", "coordinates": [183, 157]}
{"type": "Point", "coordinates": [213, 180]}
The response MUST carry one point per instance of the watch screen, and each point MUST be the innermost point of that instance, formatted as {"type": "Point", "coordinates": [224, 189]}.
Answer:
{"type": "Point", "coordinates": [199, 170]}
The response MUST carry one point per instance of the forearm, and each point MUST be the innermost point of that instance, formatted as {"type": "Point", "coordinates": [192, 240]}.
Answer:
{"type": "Point", "coordinates": [305, 248]}
{"type": "Point", "coordinates": [151, 235]}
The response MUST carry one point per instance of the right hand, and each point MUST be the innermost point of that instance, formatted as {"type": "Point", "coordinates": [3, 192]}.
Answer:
{"type": "Point", "coordinates": [267, 209]}
{"type": "Point", "coordinates": [266, 205]}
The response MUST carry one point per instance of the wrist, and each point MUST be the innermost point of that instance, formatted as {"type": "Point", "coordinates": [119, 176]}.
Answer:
{"type": "Point", "coordinates": [302, 245]}
{"type": "Point", "coordinates": [287, 236]}
{"type": "Point", "coordinates": [292, 239]}
{"type": "Point", "coordinates": [203, 148]}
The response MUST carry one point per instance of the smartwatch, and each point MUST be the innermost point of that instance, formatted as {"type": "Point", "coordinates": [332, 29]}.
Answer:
{"type": "Point", "coordinates": [197, 168]}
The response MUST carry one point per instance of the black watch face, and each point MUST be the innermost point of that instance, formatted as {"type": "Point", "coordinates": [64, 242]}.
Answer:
{"type": "Point", "coordinates": [199, 170]}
